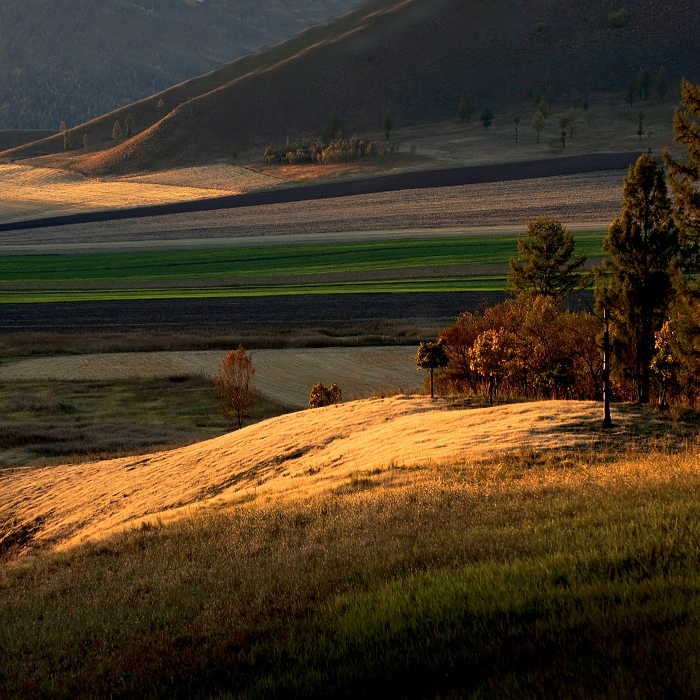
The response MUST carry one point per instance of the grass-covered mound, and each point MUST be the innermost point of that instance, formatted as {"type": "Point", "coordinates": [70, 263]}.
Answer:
{"type": "Point", "coordinates": [536, 574]}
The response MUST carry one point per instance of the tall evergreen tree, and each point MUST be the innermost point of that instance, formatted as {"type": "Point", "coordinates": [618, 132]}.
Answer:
{"type": "Point", "coordinates": [546, 263]}
{"type": "Point", "coordinates": [636, 284]}
{"type": "Point", "coordinates": [684, 174]}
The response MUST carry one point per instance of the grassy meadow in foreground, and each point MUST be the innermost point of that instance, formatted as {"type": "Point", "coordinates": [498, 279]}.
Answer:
{"type": "Point", "coordinates": [469, 263]}
{"type": "Point", "coordinates": [532, 575]}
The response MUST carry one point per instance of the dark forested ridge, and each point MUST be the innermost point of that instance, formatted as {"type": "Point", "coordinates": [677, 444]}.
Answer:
{"type": "Point", "coordinates": [70, 60]}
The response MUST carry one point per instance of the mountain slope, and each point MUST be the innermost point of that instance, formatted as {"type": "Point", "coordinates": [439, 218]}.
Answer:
{"type": "Point", "coordinates": [72, 60]}
{"type": "Point", "coordinates": [414, 58]}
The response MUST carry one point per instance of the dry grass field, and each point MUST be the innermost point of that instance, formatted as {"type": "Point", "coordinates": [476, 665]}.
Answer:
{"type": "Point", "coordinates": [301, 454]}
{"type": "Point", "coordinates": [285, 376]}
{"type": "Point", "coordinates": [583, 202]}
{"type": "Point", "coordinates": [34, 191]}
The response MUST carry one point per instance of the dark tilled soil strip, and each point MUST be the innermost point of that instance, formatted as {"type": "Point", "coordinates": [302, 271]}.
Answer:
{"type": "Point", "coordinates": [259, 313]}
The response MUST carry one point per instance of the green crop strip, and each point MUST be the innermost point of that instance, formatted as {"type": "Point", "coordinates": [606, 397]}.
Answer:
{"type": "Point", "coordinates": [251, 271]}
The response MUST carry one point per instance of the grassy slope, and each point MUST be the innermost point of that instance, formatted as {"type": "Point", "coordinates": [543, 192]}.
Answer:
{"type": "Point", "coordinates": [555, 574]}
{"type": "Point", "coordinates": [414, 58]}
{"type": "Point", "coordinates": [259, 271]}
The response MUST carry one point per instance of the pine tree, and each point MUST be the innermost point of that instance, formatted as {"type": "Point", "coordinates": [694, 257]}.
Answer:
{"type": "Point", "coordinates": [116, 131]}
{"type": "Point", "coordinates": [684, 174]}
{"type": "Point", "coordinates": [546, 263]}
{"type": "Point", "coordinates": [661, 83]}
{"type": "Point", "coordinates": [635, 285]}
{"type": "Point", "coordinates": [644, 82]}
{"type": "Point", "coordinates": [486, 117]}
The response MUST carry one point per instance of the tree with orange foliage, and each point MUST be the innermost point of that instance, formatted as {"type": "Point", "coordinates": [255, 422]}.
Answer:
{"type": "Point", "coordinates": [235, 385]}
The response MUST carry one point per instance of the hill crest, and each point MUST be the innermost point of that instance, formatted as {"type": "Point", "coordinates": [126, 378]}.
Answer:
{"type": "Point", "coordinates": [294, 455]}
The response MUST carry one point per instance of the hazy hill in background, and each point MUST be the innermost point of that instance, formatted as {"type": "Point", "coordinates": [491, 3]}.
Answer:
{"type": "Point", "coordinates": [413, 58]}
{"type": "Point", "coordinates": [71, 60]}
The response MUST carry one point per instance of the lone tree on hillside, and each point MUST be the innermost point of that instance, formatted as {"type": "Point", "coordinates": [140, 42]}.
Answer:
{"type": "Point", "coordinates": [464, 109]}
{"type": "Point", "coordinates": [235, 385]}
{"type": "Point", "coordinates": [636, 283]}
{"type": "Point", "coordinates": [116, 131]}
{"type": "Point", "coordinates": [432, 356]}
{"type": "Point", "coordinates": [546, 262]}
{"type": "Point", "coordinates": [538, 122]}
{"type": "Point", "coordinates": [661, 83]}
{"type": "Point", "coordinates": [388, 125]}
{"type": "Point", "coordinates": [322, 395]}
{"type": "Point", "coordinates": [644, 82]}
{"type": "Point", "coordinates": [517, 121]}
{"type": "Point", "coordinates": [129, 124]}
{"type": "Point", "coordinates": [66, 140]}
{"type": "Point", "coordinates": [486, 117]}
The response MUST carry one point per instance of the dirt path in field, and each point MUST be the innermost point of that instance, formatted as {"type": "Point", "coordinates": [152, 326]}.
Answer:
{"type": "Point", "coordinates": [284, 375]}
{"type": "Point", "coordinates": [296, 454]}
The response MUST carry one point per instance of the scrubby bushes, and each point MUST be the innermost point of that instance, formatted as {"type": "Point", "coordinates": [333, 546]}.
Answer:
{"type": "Point", "coordinates": [525, 347]}
{"type": "Point", "coordinates": [530, 348]}
{"type": "Point", "coordinates": [324, 395]}
{"type": "Point", "coordinates": [337, 150]}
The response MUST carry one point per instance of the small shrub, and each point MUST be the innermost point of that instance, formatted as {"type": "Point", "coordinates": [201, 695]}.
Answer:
{"type": "Point", "coordinates": [324, 395]}
{"type": "Point", "coordinates": [618, 19]}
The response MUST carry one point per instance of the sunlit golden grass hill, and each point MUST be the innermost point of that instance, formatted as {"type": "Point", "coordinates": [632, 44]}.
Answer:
{"type": "Point", "coordinates": [412, 58]}
{"type": "Point", "coordinates": [295, 455]}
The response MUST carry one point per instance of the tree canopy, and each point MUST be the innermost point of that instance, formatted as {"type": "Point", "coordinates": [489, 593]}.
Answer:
{"type": "Point", "coordinates": [546, 263]}
{"type": "Point", "coordinates": [636, 283]}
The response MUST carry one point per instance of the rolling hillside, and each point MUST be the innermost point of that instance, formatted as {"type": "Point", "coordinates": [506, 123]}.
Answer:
{"type": "Point", "coordinates": [298, 454]}
{"type": "Point", "coordinates": [414, 58]}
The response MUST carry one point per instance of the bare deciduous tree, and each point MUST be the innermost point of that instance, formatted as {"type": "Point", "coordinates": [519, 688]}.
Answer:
{"type": "Point", "coordinates": [235, 384]}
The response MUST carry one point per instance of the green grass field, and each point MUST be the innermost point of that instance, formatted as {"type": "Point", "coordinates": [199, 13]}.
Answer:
{"type": "Point", "coordinates": [265, 271]}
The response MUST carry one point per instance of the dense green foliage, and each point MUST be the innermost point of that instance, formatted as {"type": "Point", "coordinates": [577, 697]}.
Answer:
{"type": "Point", "coordinates": [546, 263]}
{"type": "Point", "coordinates": [70, 60]}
